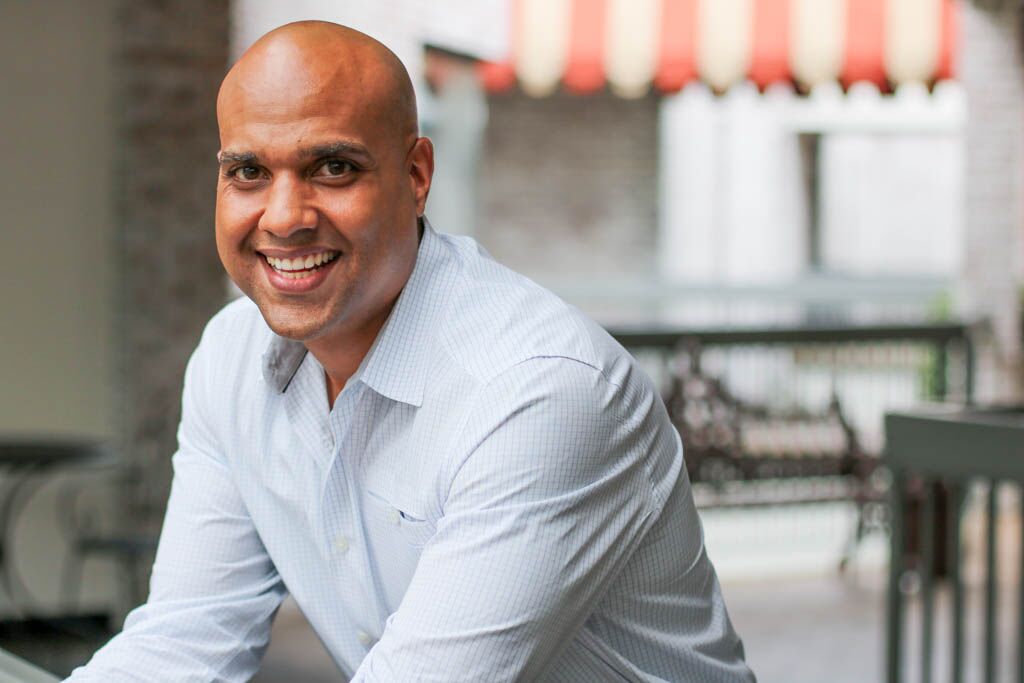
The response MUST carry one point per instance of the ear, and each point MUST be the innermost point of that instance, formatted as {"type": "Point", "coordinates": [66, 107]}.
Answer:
{"type": "Point", "coordinates": [421, 171]}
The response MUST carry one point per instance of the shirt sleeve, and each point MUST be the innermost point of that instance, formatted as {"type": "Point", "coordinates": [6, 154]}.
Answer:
{"type": "Point", "coordinates": [213, 590]}
{"type": "Point", "coordinates": [551, 496]}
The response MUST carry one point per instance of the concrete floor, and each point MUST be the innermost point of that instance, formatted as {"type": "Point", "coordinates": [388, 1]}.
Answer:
{"type": "Point", "coordinates": [811, 630]}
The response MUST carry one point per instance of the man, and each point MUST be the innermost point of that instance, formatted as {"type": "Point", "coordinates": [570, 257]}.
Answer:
{"type": "Point", "coordinates": [457, 476]}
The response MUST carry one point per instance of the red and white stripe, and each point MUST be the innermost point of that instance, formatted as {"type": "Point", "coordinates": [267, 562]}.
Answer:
{"type": "Point", "coordinates": [629, 45]}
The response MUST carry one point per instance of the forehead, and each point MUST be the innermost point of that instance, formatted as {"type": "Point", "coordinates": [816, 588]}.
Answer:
{"type": "Point", "coordinates": [280, 122]}
{"type": "Point", "coordinates": [283, 104]}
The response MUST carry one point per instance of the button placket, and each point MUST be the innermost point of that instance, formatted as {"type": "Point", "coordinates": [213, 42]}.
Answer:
{"type": "Point", "coordinates": [340, 420]}
{"type": "Point", "coordinates": [346, 518]}
{"type": "Point", "coordinates": [341, 544]}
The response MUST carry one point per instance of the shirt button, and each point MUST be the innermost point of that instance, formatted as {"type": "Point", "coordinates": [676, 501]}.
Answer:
{"type": "Point", "coordinates": [341, 544]}
{"type": "Point", "coordinates": [394, 516]}
{"type": "Point", "coordinates": [364, 637]}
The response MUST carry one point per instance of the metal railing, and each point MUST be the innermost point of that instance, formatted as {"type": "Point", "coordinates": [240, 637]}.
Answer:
{"type": "Point", "coordinates": [759, 406]}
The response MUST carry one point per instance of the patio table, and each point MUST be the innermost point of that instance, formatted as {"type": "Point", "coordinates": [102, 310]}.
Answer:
{"type": "Point", "coordinates": [954, 446]}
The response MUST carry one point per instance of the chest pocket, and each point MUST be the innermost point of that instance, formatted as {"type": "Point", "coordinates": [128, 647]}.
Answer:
{"type": "Point", "coordinates": [396, 537]}
{"type": "Point", "coordinates": [396, 519]}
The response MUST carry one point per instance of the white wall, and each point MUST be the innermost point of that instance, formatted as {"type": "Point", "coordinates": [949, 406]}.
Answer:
{"type": "Point", "coordinates": [735, 210]}
{"type": "Point", "coordinates": [56, 278]}
{"type": "Point", "coordinates": [732, 207]}
{"type": "Point", "coordinates": [56, 218]}
{"type": "Point", "coordinates": [892, 205]}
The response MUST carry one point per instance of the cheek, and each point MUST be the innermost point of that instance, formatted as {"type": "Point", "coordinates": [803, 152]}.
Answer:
{"type": "Point", "coordinates": [353, 207]}
{"type": "Point", "coordinates": [235, 219]}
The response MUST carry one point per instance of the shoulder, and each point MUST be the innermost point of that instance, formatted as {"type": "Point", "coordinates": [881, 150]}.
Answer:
{"type": "Point", "coordinates": [526, 347]}
{"type": "Point", "coordinates": [497, 319]}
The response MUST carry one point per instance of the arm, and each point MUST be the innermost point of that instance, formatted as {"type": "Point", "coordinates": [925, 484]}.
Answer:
{"type": "Point", "coordinates": [214, 590]}
{"type": "Point", "coordinates": [551, 497]}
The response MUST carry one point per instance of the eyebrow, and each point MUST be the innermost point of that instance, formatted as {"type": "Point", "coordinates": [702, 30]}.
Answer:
{"type": "Point", "coordinates": [340, 147]}
{"type": "Point", "coordinates": [228, 157]}
{"type": "Point", "coordinates": [314, 152]}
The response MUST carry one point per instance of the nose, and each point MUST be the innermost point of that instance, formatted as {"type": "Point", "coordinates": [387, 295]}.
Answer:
{"type": "Point", "coordinates": [288, 209]}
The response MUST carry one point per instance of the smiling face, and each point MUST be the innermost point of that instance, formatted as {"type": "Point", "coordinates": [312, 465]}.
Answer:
{"type": "Point", "coordinates": [322, 180]}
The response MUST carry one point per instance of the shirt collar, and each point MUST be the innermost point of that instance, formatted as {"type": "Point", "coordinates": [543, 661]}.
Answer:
{"type": "Point", "coordinates": [395, 366]}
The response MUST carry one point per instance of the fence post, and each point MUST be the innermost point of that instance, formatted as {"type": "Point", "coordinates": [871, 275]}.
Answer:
{"type": "Point", "coordinates": [941, 367]}
{"type": "Point", "coordinates": [956, 510]}
{"type": "Point", "coordinates": [991, 582]}
{"type": "Point", "coordinates": [894, 605]}
{"type": "Point", "coordinates": [926, 559]}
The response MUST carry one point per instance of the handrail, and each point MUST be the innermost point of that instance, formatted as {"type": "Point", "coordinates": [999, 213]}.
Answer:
{"type": "Point", "coordinates": [668, 338]}
{"type": "Point", "coordinates": [14, 669]}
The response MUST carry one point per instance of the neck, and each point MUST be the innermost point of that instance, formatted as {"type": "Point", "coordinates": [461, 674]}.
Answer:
{"type": "Point", "coordinates": [340, 352]}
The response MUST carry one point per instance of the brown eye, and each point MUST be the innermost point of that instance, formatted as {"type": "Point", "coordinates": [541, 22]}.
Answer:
{"type": "Point", "coordinates": [333, 168]}
{"type": "Point", "coordinates": [246, 173]}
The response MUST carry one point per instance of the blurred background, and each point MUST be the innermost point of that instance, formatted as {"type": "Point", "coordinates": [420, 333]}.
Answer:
{"type": "Point", "coordinates": [799, 215]}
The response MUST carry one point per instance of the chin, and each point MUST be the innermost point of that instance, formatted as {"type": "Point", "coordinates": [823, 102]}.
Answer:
{"type": "Point", "coordinates": [297, 333]}
{"type": "Point", "coordinates": [298, 325]}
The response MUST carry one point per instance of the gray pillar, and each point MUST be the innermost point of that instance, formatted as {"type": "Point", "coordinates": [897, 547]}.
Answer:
{"type": "Point", "coordinates": [993, 75]}
{"type": "Point", "coordinates": [460, 119]}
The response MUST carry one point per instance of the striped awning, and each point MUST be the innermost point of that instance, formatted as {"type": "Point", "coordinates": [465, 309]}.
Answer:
{"type": "Point", "coordinates": [632, 45]}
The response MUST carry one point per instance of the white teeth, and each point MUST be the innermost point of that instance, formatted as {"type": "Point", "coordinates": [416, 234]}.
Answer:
{"type": "Point", "coordinates": [294, 268]}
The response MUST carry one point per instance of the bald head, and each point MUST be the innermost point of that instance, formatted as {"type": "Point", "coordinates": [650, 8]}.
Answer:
{"type": "Point", "coordinates": [323, 63]}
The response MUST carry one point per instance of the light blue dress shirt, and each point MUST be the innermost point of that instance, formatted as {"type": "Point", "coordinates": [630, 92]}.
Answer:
{"type": "Point", "coordinates": [496, 495]}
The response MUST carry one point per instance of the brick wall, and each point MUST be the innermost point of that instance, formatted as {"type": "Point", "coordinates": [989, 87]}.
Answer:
{"type": "Point", "coordinates": [569, 186]}
{"type": "Point", "coordinates": [170, 59]}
